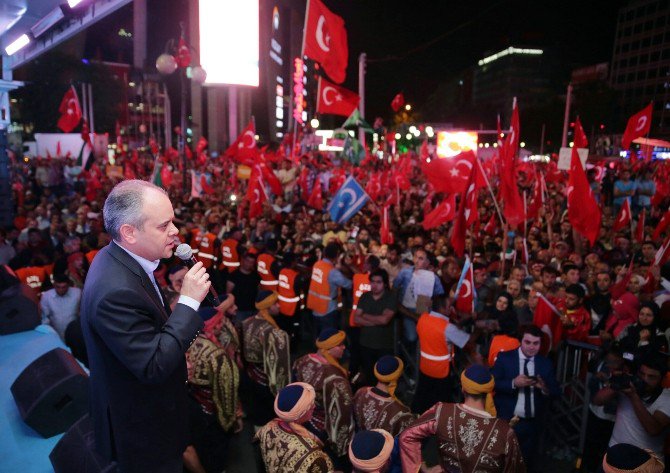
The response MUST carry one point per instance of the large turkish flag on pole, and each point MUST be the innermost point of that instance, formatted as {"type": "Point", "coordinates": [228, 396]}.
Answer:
{"type": "Point", "coordinates": [638, 125]}
{"type": "Point", "coordinates": [326, 40]}
{"type": "Point", "coordinates": [335, 100]}
{"type": "Point", "coordinates": [70, 111]}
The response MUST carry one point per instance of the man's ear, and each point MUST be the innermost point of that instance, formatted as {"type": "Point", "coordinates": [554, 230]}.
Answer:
{"type": "Point", "coordinates": [128, 233]}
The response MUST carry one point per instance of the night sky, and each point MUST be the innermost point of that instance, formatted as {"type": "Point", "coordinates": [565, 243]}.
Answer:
{"type": "Point", "coordinates": [580, 33]}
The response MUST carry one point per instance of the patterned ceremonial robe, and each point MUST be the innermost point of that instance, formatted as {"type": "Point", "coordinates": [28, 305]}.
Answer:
{"type": "Point", "coordinates": [285, 451]}
{"type": "Point", "coordinates": [230, 340]}
{"type": "Point", "coordinates": [333, 411]}
{"type": "Point", "coordinates": [266, 352]}
{"type": "Point", "coordinates": [374, 409]}
{"type": "Point", "coordinates": [469, 440]}
{"type": "Point", "coordinates": [214, 379]}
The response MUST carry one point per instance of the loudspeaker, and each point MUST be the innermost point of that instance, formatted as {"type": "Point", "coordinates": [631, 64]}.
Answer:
{"type": "Point", "coordinates": [75, 452]}
{"type": "Point", "coordinates": [18, 314]}
{"type": "Point", "coordinates": [51, 392]}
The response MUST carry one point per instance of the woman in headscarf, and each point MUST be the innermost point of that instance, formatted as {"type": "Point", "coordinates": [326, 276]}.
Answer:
{"type": "Point", "coordinates": [644, 335]}
{"type": "Point", "coordinates": [503, 314]}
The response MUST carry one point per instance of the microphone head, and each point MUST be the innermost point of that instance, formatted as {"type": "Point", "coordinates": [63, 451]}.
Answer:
{"type": "Point", "coordinates": [183, 252]}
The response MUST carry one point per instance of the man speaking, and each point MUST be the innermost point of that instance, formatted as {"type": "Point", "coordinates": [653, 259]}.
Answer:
{"type": "Point", "coordinates": [135, 345]}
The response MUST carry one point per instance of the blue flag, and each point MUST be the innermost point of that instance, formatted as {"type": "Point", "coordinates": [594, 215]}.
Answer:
{"type": "Point", "coordinates": [348, 201]}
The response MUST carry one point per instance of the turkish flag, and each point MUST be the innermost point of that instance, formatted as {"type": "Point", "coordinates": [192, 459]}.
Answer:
{"type": "Point", "coordinates": [458, 232]}
{"type": "Point", "coordinates": [513, 209]}
{"type": "Point", "coordinates": [398, 101]}
{"type": "Point", "coordinates": [580, 140]}
{"type": "Point", "coordinates": [202, 145]}
{"type": "Point", "coordinates": [335, 100]}
{"type": "Point", "coordinates": [661, 226]}
{"type": "Point", "coordinates": [620, 287]}
{"type": "Point", "coordinates": [316, 198]}
{"type": "Point", "coordinates": [326, 40]}
{"type": "Point", "coordinates": [638, 125]}
{"type": "Point", "coordinates": [443, 213]}
{"type": "Point", "coordinates": [583, 210]}
{"type": "Point", "coordinates": [374, 186]}
{"type": "Point", "coordinates": [70, 111]}
{"type": "Point", "coordinates": [662, 254]}
{"type": "Point", "coordinates": [449, 174]}
{"type": "Point", "coordinates": [465, 292]}
{"type": "Point", "coordinates": [537, 200]}
{"type": "Point", "coordinates": [270, 178]}
{"type": "Point", "coordinates": [623, 218]}
{"type": "Point", "coordinates": [471, 194]}
{"type": "Point", "coordinates": [492, 225]}
{"type": "Point", "coordinates": [548, 319]}
{"type": "Point", "coordinates": [256, 195]}
{"type": "Point", "coordinates": [243, 150]}
{"type": "Point", "coordinates": [639, 229]}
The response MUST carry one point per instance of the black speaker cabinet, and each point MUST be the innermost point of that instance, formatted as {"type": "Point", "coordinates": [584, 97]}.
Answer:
{"type": "Point", "coordinates": [18, 314]}
{"type": "Point", "coordinates": [75, 452]}
{"type": "Point", "coordinates": [51, 392]}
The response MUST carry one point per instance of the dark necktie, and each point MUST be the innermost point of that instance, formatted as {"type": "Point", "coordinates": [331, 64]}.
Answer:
{"type": "Point", "coordinates": [527, 407]}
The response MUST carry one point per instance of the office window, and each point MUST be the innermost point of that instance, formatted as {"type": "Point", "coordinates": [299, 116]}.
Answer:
{"type": "Point", "coordinates": [633, 61]}
{"type": "Point", "coordinates": [641, 75]}
{"type": "Point", "coordinates": [652, 73]}
{"type": "Point", "coordinates": [654, 56]}
{"type": "Point", "coordinates": [646, 42]}
{"type": "Point", "coordinates": [637, 28]}
{"type": "Point", "coordinates": [625, 47]}
{"type": "Point", "coordinates": [635, 45]}
{"type": "Point", "coordinates": [657, 39]}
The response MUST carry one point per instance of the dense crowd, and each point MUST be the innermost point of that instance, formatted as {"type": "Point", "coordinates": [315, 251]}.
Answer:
{"type": "Point", "coordinates": [320, 325]}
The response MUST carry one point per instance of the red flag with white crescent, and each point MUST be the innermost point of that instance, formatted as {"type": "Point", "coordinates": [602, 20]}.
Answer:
{"type": "Point", "coordinates": [255, 195]}
{"type": "Point", "coordinates": [316, 197]}
{"type": "Point", "coordinates": [335, 100]}
{"type": "Point", "coordinates": [465, 291]}
{"type": "Point", "coordinates": [385, 231]}
{"type": "Point", "coordinates": [661, 226]}
{"type": "Point", "coordinates": [443, 213]}
{"type": "Point", "coordinates": [623, 218]}
{"type": "Point", "coordinates": [70, 111]}
{"type": "Point", "coordinates": [639, 228]}
{"type": "Point", "coordinates": [244, 150]}
{"type": "Point", "coordinates": [638, 125]}
{"type": "Point", "coordinates": [326, 40]}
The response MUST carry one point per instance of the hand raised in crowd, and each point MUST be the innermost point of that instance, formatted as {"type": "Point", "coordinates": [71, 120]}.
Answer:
{"type": "Point", "coordinates": [196, 282]}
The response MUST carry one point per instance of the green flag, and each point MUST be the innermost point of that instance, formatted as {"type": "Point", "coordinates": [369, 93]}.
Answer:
{"type": "Point", "coordinates": [354, 152]}
{"type": "Point", "coordinates": [156, 174]}
{"type": "Point", "coordinates": [355, 120]}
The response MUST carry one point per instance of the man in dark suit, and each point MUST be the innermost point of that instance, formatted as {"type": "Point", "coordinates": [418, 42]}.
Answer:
{"type": "Point", "coordinates": [525, 382]}
{"type": "Point", "coordinates": [135, 345]}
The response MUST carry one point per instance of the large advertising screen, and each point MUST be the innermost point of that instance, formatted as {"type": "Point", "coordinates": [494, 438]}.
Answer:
{"type": "Point", "coordinates": [229, 41]}
{"type": "Point", "coordinates": [451, 143]}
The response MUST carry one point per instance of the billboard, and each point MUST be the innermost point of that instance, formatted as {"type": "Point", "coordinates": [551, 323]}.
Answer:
{"type": "Point", "coordinates": [229, 41]}
{"type": "Point", "coordinates": [451, 143]}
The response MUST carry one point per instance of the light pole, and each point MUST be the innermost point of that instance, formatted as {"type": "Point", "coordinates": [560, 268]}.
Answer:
{"type": "Point", "coordinates": [177, 56]}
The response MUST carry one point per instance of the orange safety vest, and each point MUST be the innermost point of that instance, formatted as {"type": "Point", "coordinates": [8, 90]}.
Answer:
{"type": "Point", "coordinates": [288, 299]}
{"type": "Point", "coordinates": [33, 276]}
{"type": "Point", "coordinates": [264, 268]}
{"type": "Point", "coordinates": [360, 285]}
{"type": "Point", "coordinates": [206, 250]}
{"type": "Point", "coordinates": [437, 353]}
{"type": "Point", "coordinates": [196, 238]}
{"type": "Point", "coordinates": [231, 259]}
{"type": "Point", "coordinates": [318, 297]}
{"type": "Point", "coordinates": [501, 343]}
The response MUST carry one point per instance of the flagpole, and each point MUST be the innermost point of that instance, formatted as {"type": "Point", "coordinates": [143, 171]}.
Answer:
{"type": "Point", "coordinates": [493, 197]}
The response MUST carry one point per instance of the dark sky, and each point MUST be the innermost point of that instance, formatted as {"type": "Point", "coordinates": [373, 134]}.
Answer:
{"type": "Point", "coordinates": [579, 32]}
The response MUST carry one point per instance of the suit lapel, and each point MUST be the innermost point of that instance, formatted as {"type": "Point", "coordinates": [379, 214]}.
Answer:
{"type": "Point", "coordinates": [124, 258]}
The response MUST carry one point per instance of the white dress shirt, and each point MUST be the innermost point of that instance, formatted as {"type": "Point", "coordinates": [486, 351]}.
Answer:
{"type": "Point", "coordinates": [149, 267]}
{"type": "Point", "coordinates": [519, 409]}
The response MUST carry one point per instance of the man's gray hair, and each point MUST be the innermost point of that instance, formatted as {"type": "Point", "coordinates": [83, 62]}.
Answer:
{"type": "Point", "coordinates": [124, 206]}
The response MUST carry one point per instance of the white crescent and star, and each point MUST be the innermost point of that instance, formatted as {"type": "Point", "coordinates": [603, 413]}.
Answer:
{"type": "Point", "coordinates": [324, 42]}
{"type": "Point", "coordinates": [347, 192]}
{"type": "Point", "coordinates": [466, 285]}
{"type": "Point", "coordinates": [641, 122]}
{"type": "Point", "coordinates": [252, 140]}
{"type": "Point", "coordinates": [257, 196]}
{"type": "Point", "coordinates": [324, 95]}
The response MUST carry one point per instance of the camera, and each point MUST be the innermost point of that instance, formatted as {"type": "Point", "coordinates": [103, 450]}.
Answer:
{"type": "Point", "coordinates": [623, 381]}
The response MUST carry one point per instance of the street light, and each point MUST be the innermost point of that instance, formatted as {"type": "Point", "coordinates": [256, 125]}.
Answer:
{"type": "Point", "coordinates": [314, 122]}
{"type": "Point", "coordinates": [408, 107]}
{"type": "Point", "coordinates": [167, 63]}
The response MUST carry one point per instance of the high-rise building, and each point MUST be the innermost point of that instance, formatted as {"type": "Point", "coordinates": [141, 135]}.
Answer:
{"type": "Point", "coordinates": [641, 60]}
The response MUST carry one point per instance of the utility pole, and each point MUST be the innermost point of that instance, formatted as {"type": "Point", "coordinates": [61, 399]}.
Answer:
{"type": "Point", "coordinates": [361, 94]}
{"type": "Point", "coordinates": [566, 118]}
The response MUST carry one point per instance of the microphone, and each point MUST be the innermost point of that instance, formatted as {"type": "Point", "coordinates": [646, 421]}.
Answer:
{"type": "Point", "coordinates": [185, 253]}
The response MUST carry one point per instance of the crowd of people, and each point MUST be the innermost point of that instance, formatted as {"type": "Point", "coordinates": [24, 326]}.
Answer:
{"type": "Point", "coordinates": [319, 325]}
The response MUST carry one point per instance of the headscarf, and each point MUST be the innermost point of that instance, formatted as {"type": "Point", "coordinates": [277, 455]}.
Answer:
{"type": "Point", "coordinates": [477, 379]}
{"type": "Point", "coordinates": [626, 458]}
{"type": "Point", "coordinates": [507, 319]}
{"type": "Point", "coordinates": [330, 338]}
{"type": "Point", "coordinates": [293, 405]}
{"type": "Point", "coordinates": [387, 370]}
{"type": "Point", "coordinates": [370, 450]}
{"type": "Point", "coordinates": [265, 300]}
{"type": "Point", "coordinates": [627, 308]}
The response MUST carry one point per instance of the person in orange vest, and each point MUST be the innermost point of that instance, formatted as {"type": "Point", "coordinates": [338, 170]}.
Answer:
{"type": "Point", "coordinates": [360, 285]}
{"type": "Point", "coordinates": [506, 340]}
{"type": "Point", "coordinates": [437, 339]}
{"type": "Point", "coordinates": [326, 281]}
{"type": "Point", "coordinates": [291, 291]}
{"type": "Point", "coordinates": [268, 266]}
{"type": "Point", "coordinates": [230, 250]}
{"type": "Point", "coordinates": [209, 246]}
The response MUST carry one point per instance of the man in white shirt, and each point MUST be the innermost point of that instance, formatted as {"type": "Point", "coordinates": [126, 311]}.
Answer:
{"type": "Point", "coordinates": [60, 305]}
{"type": "Point", "coordinates": [643, 410]}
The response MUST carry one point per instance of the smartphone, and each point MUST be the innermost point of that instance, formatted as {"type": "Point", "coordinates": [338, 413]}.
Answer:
{"type": "Point", "coordinates": [534, 378]}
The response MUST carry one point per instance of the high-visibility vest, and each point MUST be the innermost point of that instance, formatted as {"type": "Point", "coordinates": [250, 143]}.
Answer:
{"type": "Point", "coordinates": [206, 250]}
{"type": "Point", "coordinates": [318, 297]}
{"type": "Point", "coordinates": [437, 353]}
{"type": "Point", "coordinates": [264, 268]}
{"type": "Point", "coordinates": [196, 238]}
{"type": "Point", "coordinates": [501, 343]}
{"type": "Point", "coordinates": [231, 259]}
{"type": "Point", "coordinates": [360, 285]}
{"type": "Point", "coordinates": [33, 276]}
{"type": "Point", "coordinates": [288, 298]}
